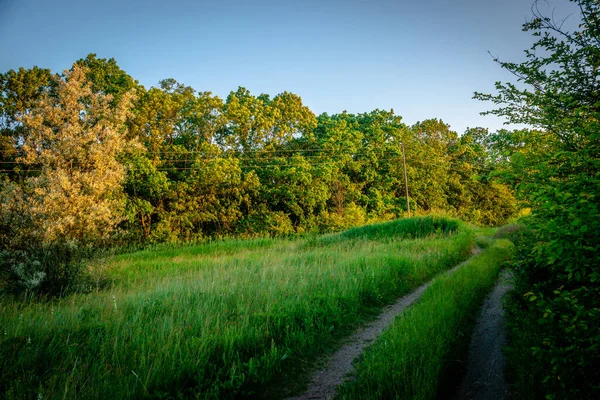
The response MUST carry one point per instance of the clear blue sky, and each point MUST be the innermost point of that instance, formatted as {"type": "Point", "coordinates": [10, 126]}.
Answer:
{"type": "Point", "coordinates": [423, 58]}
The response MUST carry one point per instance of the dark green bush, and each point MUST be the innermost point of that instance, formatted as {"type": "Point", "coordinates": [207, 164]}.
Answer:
{"type": "Point", "coordinates": [554, 313]}
{"type": "Point", "coordinates": [54, 269]}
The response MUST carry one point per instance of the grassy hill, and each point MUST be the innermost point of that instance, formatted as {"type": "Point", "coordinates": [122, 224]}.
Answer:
{"type": "Point", "coordinates": [218, 320]}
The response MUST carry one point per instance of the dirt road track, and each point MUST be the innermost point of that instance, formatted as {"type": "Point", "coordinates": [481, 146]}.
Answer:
{"type": "Point", "coordinates": [324, 382]}
{"type": "Point", "coordinates": [485, 366]}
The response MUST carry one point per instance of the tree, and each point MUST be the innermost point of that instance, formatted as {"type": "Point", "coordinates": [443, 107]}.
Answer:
{"type": "Point", "coordinates": [107, 77]}
{"type": "Point", "coordinates": [73, 138]}
{"type": "Point", "coordinates": [558, 271]}
{"type": "Point", "coordinates": [249, 122]}
{"type": "Point", "coordinates": [428, 159]}
{"type": "Point", "coordinates": [292, 119]}
{"type": "Point", "coordinates": [19, 92]}
{"type": "Point", "coordinates": [477, 190]}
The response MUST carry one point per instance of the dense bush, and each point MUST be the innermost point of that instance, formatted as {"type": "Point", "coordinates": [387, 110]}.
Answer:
{"type": "Point", "coordinates": [554, 317]}
{"type": "Point", "coordinates": [54, 269]}
{"type": "Point", "coordinates": [74, 200]}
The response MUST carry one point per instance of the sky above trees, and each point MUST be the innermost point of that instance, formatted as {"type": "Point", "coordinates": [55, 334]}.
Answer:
{"type": "Point", "coordinates": [424, 58]}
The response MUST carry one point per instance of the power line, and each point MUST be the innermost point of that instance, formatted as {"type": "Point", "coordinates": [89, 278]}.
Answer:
{"type": "Point", "coordinates": [200, 167]}
{"type": "Point", "coordinates": [254, 166]}
{"type": "Point", "coordinates": [176, 160]}
{"type": "Point", "coordinates": [259, 151]}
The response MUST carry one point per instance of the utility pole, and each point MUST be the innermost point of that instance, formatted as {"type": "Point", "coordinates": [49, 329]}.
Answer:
{"type": "Point", "coordinates": [405, 181]}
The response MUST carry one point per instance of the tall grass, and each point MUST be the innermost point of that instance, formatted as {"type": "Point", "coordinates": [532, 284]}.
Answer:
{"type": "Point", "coordinates": [409, 228]}
{"type": "Point", "coordinates": [409, 359]}
{"type": "Point", "coordinates": [223, 321]}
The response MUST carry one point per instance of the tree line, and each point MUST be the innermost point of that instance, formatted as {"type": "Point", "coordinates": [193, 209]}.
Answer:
{"type": "Point", "coordinates": [91, 156]}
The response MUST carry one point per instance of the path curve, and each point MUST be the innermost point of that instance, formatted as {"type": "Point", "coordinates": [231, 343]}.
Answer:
{"type": "Point", "coordinates": [325, 381]}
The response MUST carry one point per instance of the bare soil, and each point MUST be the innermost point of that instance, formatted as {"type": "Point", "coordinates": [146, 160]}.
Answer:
{"type": "Point", "coordinates": [484, 378]}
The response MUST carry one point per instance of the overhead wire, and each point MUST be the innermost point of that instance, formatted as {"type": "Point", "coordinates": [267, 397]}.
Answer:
{"type": "Point", "coordinates": [262, 166]}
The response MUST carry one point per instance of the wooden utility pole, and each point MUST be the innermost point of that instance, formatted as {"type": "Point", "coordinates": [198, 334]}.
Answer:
{"type": "Point", "coordinates": [405, 181]}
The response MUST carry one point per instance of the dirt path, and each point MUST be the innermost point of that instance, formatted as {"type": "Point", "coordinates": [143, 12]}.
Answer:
{"type": "Point", "coordinates": [324, 382]}
{"type": "Point", "coordinates": [485, 366]}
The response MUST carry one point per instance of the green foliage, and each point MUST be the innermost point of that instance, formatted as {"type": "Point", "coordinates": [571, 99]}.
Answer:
{"type": "Point", "coordinates": [53, 268]}
{"type": "Point", "coordinates": [557, 294]}
{"type": "Point", "coordinates": [20, 91]}
{"type": "Point", "coordinates": [107, 77]}
{"type": "Point", "coordinates": [75, 199]}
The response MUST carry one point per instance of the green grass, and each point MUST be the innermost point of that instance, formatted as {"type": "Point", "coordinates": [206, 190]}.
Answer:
{"type": "Point", "coordinates": [140, 267]}
{"type": "Point", "coordinates": [222, 320]}
{"type": "Point", "coordinates": [410, 359]}
{"type": "Point", "coordinates": [409, 228]}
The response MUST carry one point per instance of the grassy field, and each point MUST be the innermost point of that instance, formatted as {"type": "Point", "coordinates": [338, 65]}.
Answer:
{"type": "Point", "coordinates": [221, 320]}
{"type": "Point", "coordinates": [411, 359]}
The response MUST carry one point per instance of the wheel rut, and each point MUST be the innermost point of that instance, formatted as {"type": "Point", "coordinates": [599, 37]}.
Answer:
{"type": "Point", "coordinates": [338, 367]}
{"type": "Point", "coordinates": [484, 378]}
